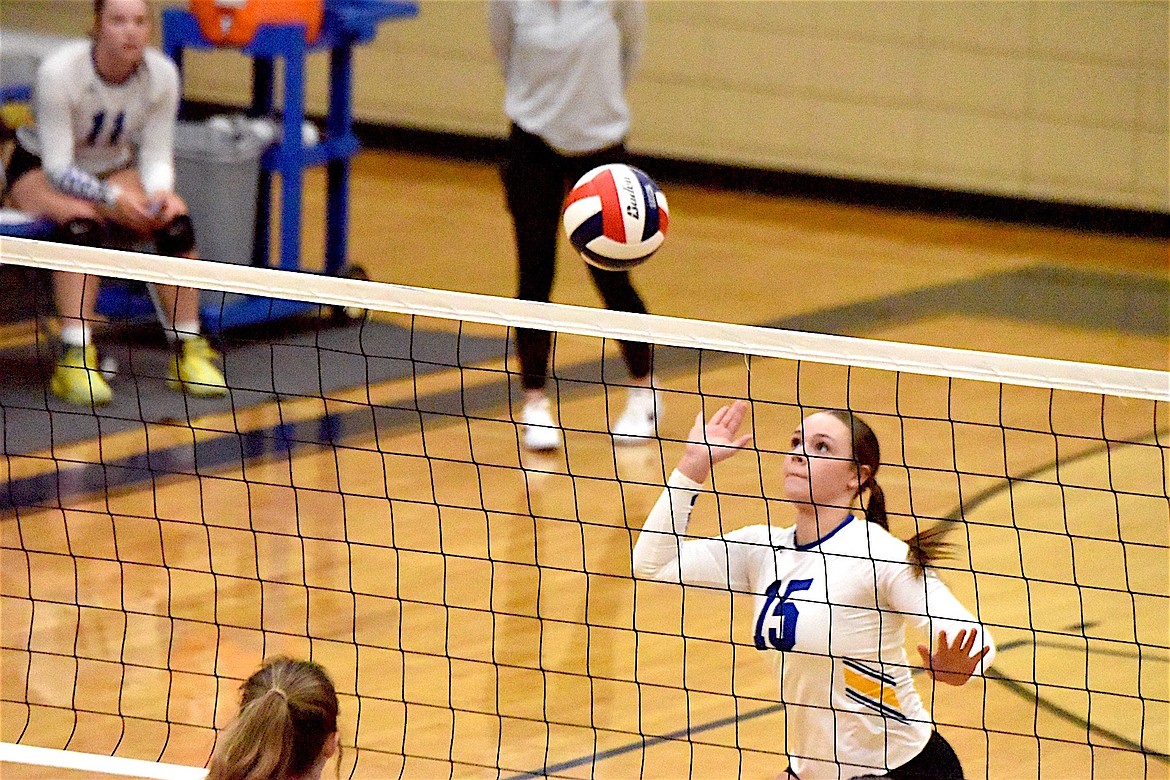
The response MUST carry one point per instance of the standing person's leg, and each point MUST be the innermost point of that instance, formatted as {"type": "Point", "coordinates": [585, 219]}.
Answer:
{"type": "Point", "coordinates": [534, 187]}
{"type": "Point", "coordinates": [639, 422]}
{"type": "Point", "coordinates": [619, 295]}
{"type": "Point", "coordinates": [193, 368]}
{"type": "Point", "coordinates": [77, 378]}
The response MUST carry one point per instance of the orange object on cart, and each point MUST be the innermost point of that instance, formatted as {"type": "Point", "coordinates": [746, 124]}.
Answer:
{"type": "Point", "coordinates": [235, 22]}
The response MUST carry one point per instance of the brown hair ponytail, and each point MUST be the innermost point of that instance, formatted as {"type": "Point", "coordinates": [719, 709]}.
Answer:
{"type": "Point", "coordinates": [926, 546]}
{"type": "Point", "coordinates": [288, 709]}
{"type": "Point", "coordinates": [875, 507]}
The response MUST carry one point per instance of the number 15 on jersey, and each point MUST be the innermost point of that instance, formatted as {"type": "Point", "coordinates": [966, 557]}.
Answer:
{"type": "Point", "coordinates": [776, 624]}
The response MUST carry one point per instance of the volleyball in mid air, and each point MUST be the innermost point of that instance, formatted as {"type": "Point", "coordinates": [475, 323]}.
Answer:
{"type": "Point", "coordinates": [616, 217]}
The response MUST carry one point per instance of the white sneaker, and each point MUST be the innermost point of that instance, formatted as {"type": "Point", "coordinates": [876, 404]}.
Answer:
{"type": "Point", "coordinates": [639, 422]}
{"type": "Point", "coordinates": [539, 432]}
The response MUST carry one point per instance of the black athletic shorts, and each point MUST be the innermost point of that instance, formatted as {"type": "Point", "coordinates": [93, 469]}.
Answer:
{"type": "Point", "coordinates": [21, 162]}
{"type": "Point", "coordinates": [937, 761]}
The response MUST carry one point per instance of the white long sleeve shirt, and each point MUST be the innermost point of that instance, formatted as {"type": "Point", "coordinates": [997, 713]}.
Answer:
{"type": "Point", "coordinates": [837, 610]}
{"type": "Point", "coordinates": [87, 128]}
{"type": "Point", "coordinates": [566, 64]}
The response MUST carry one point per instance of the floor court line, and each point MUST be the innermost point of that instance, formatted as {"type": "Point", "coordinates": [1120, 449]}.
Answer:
{"type": "Point", "coordinates": [645, 742]}
{"type": "Point", "coordinates": [1021, 690]}
{"type": "Point", "coordinates": [982, 497]}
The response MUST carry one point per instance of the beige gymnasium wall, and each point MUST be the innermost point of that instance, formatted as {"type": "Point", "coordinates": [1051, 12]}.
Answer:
{"type": "Point", "coordinates": [1064, 101]}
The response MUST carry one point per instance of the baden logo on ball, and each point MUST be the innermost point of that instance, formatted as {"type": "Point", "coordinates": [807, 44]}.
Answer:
{"type": "Point", "coordinates": [616, 217]}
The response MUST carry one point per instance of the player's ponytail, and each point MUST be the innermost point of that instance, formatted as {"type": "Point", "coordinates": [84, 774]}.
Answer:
{"type": "Point", "coordinates": [930, 545]}
{"type": "Point", "coordinates": [926, 546]}
{"type": "Point", "coordinates": [875, 505]}
{"type": "Point", "coordinates": [257, 744]}
{"type": "Point", "coordinates": [288, 710]}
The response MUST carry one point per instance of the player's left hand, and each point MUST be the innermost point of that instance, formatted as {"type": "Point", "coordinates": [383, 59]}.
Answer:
{"type": "Point", "coordinates": [952, 662]}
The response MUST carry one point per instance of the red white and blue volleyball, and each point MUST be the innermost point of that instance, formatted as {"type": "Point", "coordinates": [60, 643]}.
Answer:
{"type": "Point", "coordinates": [616, 217]}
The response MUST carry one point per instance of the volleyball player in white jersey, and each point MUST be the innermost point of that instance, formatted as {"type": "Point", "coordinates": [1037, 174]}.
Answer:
{"type": "Point", "coordinates": [834, 594]}
{"type": "Point", "coordinates": [101, 152]}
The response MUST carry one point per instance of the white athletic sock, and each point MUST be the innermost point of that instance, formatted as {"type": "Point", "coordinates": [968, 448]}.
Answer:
{"type": "Point", "coordinates": [643, 397]}
{"type": "Point", "coordinates": [187, 330]}
{"type": "Point", "coordinates": [75, 335]}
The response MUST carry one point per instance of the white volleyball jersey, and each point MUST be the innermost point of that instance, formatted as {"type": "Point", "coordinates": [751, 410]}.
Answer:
{"type": "Point", "coordinates": [837, 611]}
{"type": "Point", "coordinates": [87, 125]}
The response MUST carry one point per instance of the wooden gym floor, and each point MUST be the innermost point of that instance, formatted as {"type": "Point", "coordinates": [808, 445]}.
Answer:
{"type": "Point", "coordinates": [486, 615]}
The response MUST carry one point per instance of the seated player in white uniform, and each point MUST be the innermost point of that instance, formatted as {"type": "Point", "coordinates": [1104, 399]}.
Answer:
{"type": "Point", "coordinates": [834, 594]}
{"type": "Point", "coordinates": [101, 152]}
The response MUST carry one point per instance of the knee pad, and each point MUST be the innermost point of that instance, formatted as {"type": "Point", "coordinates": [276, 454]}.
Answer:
{"type": "Point", "coordinates": [81, 232]}
{"type": "Point", "coordinates": [176, 238]}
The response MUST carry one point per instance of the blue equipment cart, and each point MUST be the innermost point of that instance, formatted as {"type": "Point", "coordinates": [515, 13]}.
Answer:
{"type": "Point", "coordinates": [346, 23]}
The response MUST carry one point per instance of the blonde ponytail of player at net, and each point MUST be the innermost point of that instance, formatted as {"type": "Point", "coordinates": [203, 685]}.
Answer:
{"type": "Point", "coordinates": [286, 726]}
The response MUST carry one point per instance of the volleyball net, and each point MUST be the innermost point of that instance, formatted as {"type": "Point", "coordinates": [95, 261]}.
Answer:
{"type": "Point", "coordinates": [361, 498]}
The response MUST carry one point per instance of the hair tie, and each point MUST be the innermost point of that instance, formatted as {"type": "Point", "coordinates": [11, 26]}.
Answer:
{"type": "Point", "coordinates": [279, 692]}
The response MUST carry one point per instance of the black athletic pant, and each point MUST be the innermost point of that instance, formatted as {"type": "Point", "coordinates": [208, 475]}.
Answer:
{"type": "Point", "coordinates": [536, 179]}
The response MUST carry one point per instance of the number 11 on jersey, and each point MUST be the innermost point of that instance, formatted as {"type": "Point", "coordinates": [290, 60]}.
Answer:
{"type": "Point", "coordinates": [776, 624]}
{"type": "Point", "coordinates": [99, 123]}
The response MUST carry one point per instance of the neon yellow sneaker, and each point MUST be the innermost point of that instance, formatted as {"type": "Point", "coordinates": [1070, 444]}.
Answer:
{"type": "Point", "coordinates": [195, 372]}
{"type": "Point", "coordinates": [78, 379]}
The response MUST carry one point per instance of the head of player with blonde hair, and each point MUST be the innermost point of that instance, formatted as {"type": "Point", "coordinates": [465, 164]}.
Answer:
{"type": "Point", "coordinates": [286, 728]}
{"type": "Point", "coordinates": [120, 32]}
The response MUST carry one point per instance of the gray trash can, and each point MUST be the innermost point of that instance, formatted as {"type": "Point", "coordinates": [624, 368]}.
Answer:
{"type": "Point", "coordinates": [217, 172]}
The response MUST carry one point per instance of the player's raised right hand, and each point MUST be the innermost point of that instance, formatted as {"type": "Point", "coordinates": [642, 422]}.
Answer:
{"type": "Point", "coordinates": [714, 441]}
